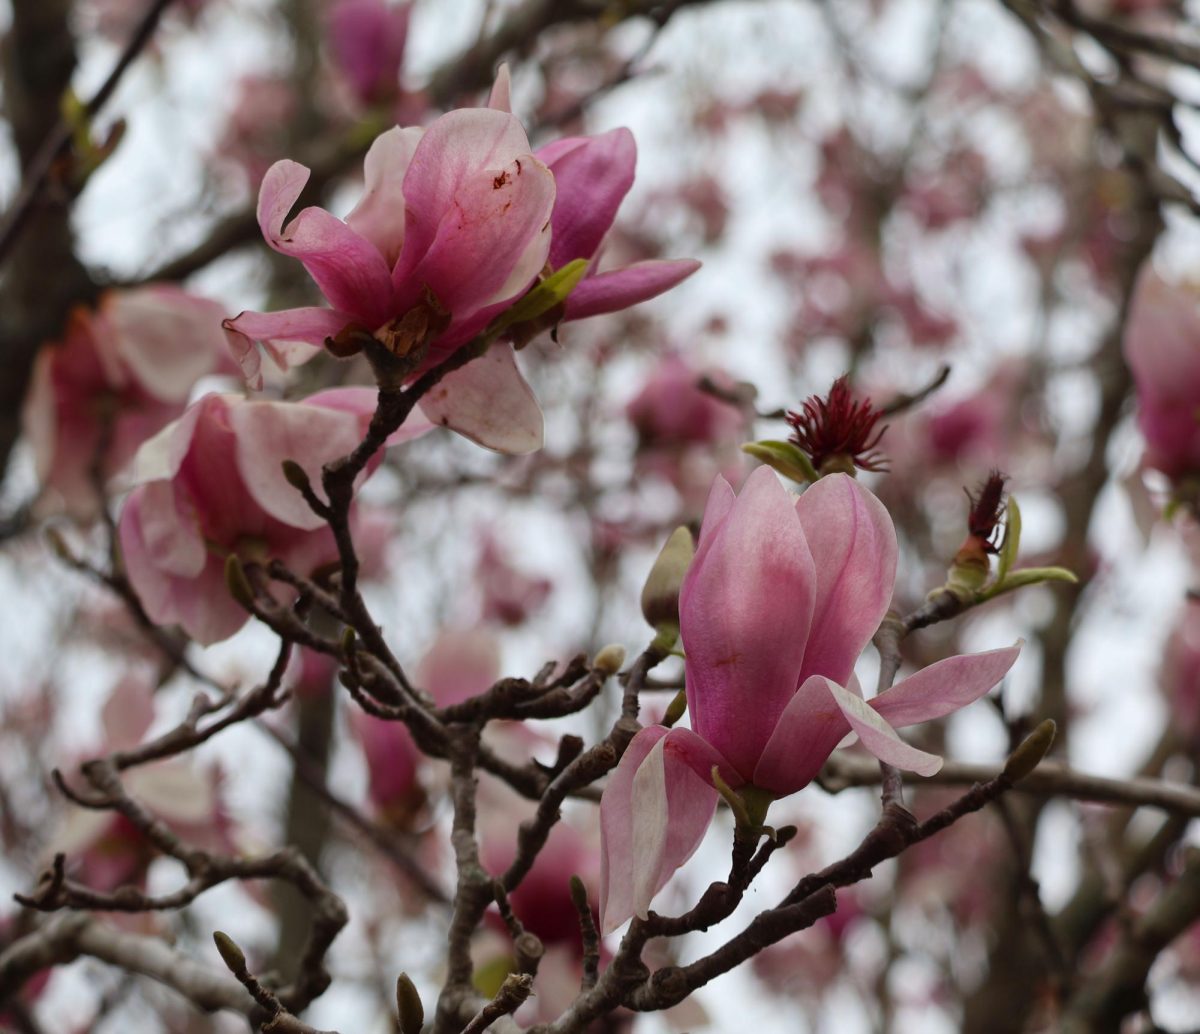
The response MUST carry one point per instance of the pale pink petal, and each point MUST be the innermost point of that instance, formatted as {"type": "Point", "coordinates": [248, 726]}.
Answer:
{"type": "Point", "coordinates": [500, 99]}
{"type": "Point", "coordinates": [653, 815]}
{"type": "Point", "coordinates": [592, 180]}
{"type": "Point", "coordinates": [489, 402]}
{"type": "Point", "coordinates": [167, 338]}
{"type": "Point", "coordinates": [379, 216]}
{"type": "Point", "coordinates": [268, 433]}
{"type": "Point", "coordinates": [291, 337]}
{"type": "Point", "coordinates": [879, 737]}
{"type": "Point", "coordinates": [809, 729]}
{"type": "Point", "coordinates": [461, 663]}
{"type": "Point", "coordinates": [160, 457]}
{"type": "Point", "coordinates": [744, 611]}
{"type": "Point", "coordinates": [128, 713]}
{"type": "Point", "coordinates": [170, 531]}
{"type": "Point", "coordinates": [349, 270]}
{"type": "Point", "coordinates": [853, 543]}
{"type": "Point", "coordinates": [621, 288]}
{"type": "Point", "coordinates": [39, 422]}
{"type": "Point", "coordinates": [944, 687]}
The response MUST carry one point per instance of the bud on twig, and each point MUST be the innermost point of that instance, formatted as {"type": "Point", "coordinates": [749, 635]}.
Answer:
{"type": "Point", "coordinates": [409, 1009]}
{"type": "Point", "coordinates": [233, 956]}
{"type": "Point", "coordinates": [1030, 752]}
{"type": "Point", "coordinates": [296, 475]}
{"type": "Point", "coordinates": [660, 594]}
{"type": "Point", "coordinates": [608, 659]}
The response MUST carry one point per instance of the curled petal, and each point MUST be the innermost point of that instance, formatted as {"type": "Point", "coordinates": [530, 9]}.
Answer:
{"type": "Point", "coordinates": [744, 611]}
{"type": "Point", "coordinates": [349, 270]}
{"type": "Point", "coordinates": [488, 401]}
{"type": "Point", "coordinates": [653, 815]}
{"type": "Point", "coordinates": [621, 288]}
{"type": "Point", "coordinates": [879, 737]}
{"type": "Point", "coordinates": [944, 687]}
{"type": "Point", "coordinates": [853, 543]}
{"type": "Point", "coordinates": [291, 337]}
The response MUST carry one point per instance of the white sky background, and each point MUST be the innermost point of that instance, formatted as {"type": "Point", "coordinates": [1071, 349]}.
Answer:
{"type": "Point", "coordinates": [141, 208]}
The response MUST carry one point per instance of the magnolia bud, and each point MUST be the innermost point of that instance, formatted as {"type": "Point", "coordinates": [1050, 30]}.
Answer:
{"type": "Point", "coordinates": [409, 1009]}
{"type": "Point", "coordinates": [608, 659]}
{"type": "Point", "coordinates": [660, 594]}
{"type": "Point", "coordinates": [1030, 751]}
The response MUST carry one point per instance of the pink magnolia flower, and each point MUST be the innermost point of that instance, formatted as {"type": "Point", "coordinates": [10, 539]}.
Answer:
{"type": "Point", "coordinates": [509, 596]}
{"type": "Point", "coordinates": [120, 374]}
{"type": "Point", "coordinates": [453, 226]}
{"type": "Point", "coordinates": [366, 42]}
{"type": "Point", "coordinates": [211, 484]}
{"type": "Point", "coordinates": [672, 409]}
{"type": "Point", "coordinates": [778, 603]}
{"type": "Point", "coordinates": [1162, 347]}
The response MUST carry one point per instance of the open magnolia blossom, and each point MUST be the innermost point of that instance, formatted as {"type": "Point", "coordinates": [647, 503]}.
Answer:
{"type": "Point", "coordinates": [781, 598]}
{"type": "Point", "coordinates": [212, 484]}
{"type": "Point", "coordinates": [456, 222]}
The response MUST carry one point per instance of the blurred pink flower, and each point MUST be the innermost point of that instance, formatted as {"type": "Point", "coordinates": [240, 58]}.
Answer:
{"type": "Point", "coordinates": [1162, 347]}
{"type": "Point", "coordinates": [121, 373]}
{"type": "Point", "coordinates": [769, 700]}
{"type": "Point", "coordinates": [509, 595]}
{"type": "Point", "coordinates": [211, 484]}
{"type": "Point", "coordinates": [366, 42]}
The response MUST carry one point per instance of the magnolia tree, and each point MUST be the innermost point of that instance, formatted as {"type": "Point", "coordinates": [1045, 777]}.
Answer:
{"type": "Point", "coordinates": [451, 586]}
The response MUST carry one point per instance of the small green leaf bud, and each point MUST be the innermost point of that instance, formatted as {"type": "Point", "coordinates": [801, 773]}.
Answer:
{"type": "Point", "coordinates": [660, 594]}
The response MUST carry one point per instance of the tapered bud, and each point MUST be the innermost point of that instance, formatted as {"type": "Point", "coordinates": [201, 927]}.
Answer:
{"type": "Point", "coordinates": [409, 1009]}
{"type": "Point", "coordinates": [660, 594]}
{"type": "Point", "coordinates": [237, 582]}
{"type": "Point", "coordinates": [233, 956]}
{"type": "Point", "coordinates": [1030, 752]}
{"type": "Point", "coordinates": [295, 475]}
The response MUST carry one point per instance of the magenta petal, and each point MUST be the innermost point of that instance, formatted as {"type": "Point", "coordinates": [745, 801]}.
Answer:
{"type": "Point", "coordinates": [291, 337]}
{"type": "Point", "coordinates": [592, 180]}
{"type": "Point", "coordinates": [744, 610]}
{"type": "Point", "coordinates": [621, 288]}
{"type": "Point", "coordinates": [879, 737]}
{"type": "Point", "coordinates": [944, 687]}
{"type": "Point", "coordinates": [653, 815]}
{"type": "Point", "coordinates": [809, 729]}
{"type": "Point", "coordinates": [853, 542]}
{"type": "Point", "coordinates": [489, 402]}
{"type": "Point", "coordinates": [349, 270]}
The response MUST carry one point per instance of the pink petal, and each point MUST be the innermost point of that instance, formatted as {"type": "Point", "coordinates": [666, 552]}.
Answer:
{"type": "Point", "coordinates": [809, 729]}
{"type": "Point", "coordinates": [479, 206]}
{"type": "Point", "coordinates": [653, 815]}
{"type": "Point", "coordinates": [500, 99]}
{"type": "Point", "coordinates": [879, 737]}
{"type": "Point", "coordinates": [621, 288]}
{"type": "Point", "coordinates": [128, 713]}
{"type": "Point", "coordinates": [489, 402]}
{"type": "Point", "coordinates": [745, 609]}
{"type": "Point", "coordinates": [944, 687]}
{"type": "Point", "coordinates": [268, 433]}
{"type": "Point", "coordinates": [379, 215]}
{"type": "Point", "coordinates": [592, 180]}
{"type": "Point", "coordinates": [854, 544]}
{"type": "Point", "coordinates": [349, 270]}
{"type": "Point", "coordinates": [167, 338]}
{"type": "Point", "coordinates": [291, 337]}
{"type": "Point", "coordinates": [170, 531]}
{"type": "Point", "coordinates": [160, 457]}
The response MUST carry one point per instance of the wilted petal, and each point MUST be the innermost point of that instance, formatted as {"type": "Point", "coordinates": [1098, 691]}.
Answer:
{"type": "Point", "coordinates": [621, 288]}
{"type": "Point", "coordinates": [744, 612]}
{"type": "Point", "coordinates": [809, 729]}
{"type": "Point", "coordinates": [653, 815]}
{"type": "Point", "coordinates": [488, 401]}
{"type": "Point", "coordinates": [349, 270]}
{"type": "Point", "coordinates": [944, 687]}
{"type": "Point", "coordinates": [853, 543]}
{"type": "Point", "coordinates": [879, 737]}
{"type": "Point", "coordinates": [593, 175]}
{"type": "Point", "coordinates": [379, 216]}
{"type": "Point", "coordinates": [291, 337]}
